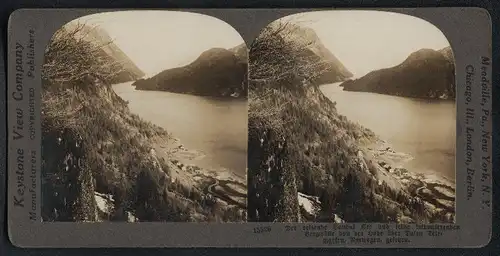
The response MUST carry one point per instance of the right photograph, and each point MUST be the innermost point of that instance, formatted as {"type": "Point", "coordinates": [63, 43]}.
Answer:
{"type": "Point", "coordinates": [352, 118]}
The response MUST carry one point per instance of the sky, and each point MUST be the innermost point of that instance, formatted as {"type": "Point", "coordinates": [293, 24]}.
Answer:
{"type": "Point", "coordinates": [159, 40]}
{"type": "Point", "coordinates": [369, 40]}
{"type": "Point", "coordinates": [362, 40]}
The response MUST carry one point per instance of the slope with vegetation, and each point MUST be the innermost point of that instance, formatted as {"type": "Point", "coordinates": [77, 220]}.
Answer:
{"type": "Point", "coordinates": [216, 72]}
{"type": "Point", "coordinates": [333, 70]}
{"type": "Point", "coordinates": [100, 161]}
{"type": "Point", "coordinates": [426, 73]}
{"type": "Point", "coordinates": [307, 162]}
{"type": "Point", "coordinates": [99, 36]}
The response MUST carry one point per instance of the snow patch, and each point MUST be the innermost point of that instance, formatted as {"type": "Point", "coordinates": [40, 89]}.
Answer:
{"type": "Point", "coordinates": [310, 203]}
{"type": "Point", "coordinates": [104, 201]}
{"type": "Point", "coordinates": [337, 219]}
{"type": "Point", "coordinates": [131, 217]}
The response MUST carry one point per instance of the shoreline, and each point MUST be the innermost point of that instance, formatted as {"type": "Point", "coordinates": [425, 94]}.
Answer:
{"type": "Point", "coordinates": [222, 184]}
{"type": "Point", "coordinates": [200, 154]}
{"type": "Point", "coordinates": [435, 191]}
{"type": "Point", "coordinates": [191, 170]}
{"type": "Point", "coordinates": [232, 96]}
{"type": "Point", "coordinates": [415, 98]}
{"type": "Point", "coordinates": [449, 177]}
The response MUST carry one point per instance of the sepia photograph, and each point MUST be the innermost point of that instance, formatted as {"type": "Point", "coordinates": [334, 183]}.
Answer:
{"type": "Point", "coordinates": [144, 119]}
{"type": "Point", "coordinates": [351, 118]}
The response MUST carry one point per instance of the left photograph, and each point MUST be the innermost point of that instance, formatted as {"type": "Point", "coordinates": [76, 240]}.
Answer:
{"type": "Point", "coordinates": [144, 119]}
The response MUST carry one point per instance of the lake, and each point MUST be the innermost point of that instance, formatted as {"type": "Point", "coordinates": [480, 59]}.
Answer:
{"type": "Point", "coordinates": [425, 129]}
{"type": "Point", "coordinates": [216, 127]}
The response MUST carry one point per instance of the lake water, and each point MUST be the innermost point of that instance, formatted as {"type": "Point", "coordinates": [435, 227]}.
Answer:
{"type": "Point", "coordinates": [423, 128]}
{"type": "Point", "coordinates": [216, 127]}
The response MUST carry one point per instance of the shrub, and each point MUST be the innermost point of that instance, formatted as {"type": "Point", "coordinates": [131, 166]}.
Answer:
{"type": "Point", "coordinates": [72, 60]}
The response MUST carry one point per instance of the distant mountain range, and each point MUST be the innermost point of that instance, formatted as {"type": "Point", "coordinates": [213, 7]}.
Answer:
{"type": "Point", "coordinates": [426, 73]}
{"type": "Point", "coordinates": [216, 72]}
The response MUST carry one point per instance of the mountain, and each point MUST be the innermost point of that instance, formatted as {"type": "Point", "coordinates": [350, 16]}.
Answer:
{"type": "Point", "coordinates": [100, 161]}
{"type": "Point", "coordinates": [309, 163]}
{"type": "Point", "coordinates": [426, 73]}
{"type": "Point", "coordinates": [98, 36]}
{"type": "Point", "coordinates": [448, 54]}
{"type": "Point", "coordinates": [333, 70]}
{"type": "Point", "coordinates": [241, 52]}
{"type": "Point", "coordinates": [216, 72]}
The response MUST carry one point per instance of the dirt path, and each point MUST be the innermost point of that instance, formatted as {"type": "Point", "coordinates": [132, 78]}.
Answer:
{"type": "Point", "coordinates": [212, 186]}
{"type": "Point", "coordinates": [228, 196]}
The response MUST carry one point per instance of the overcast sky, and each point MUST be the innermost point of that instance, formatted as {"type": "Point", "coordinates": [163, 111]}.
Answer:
{"type": "Point", "coordinates": [368, 40]}
{"type": "Point", "coordinates": [158, 40]}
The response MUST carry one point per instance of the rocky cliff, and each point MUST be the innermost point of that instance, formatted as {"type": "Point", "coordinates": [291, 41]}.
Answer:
{"type": "Point", "coordinates": [426, 73]}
